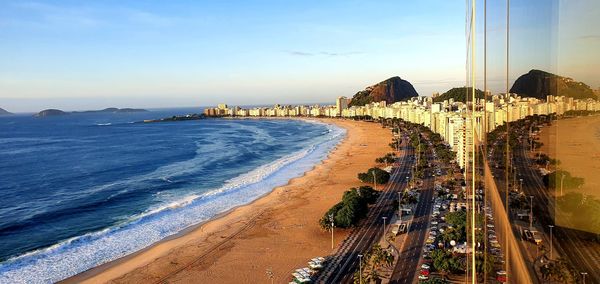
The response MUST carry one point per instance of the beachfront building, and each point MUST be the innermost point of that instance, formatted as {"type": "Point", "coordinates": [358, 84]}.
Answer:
{"type": "Point", "coordinates": [454, 121]}
{"type": "Point", "coordinates": [341, 104]}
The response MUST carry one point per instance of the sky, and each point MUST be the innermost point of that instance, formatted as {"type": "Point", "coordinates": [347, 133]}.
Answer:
{"type": "Point", "coordinates": [92, 54]}
{"type": "Point", "coordinates": [77, 55]}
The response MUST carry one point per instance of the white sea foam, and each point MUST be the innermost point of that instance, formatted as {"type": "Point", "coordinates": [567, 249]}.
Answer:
{"type": "Point", "coordinates": [81, 253]}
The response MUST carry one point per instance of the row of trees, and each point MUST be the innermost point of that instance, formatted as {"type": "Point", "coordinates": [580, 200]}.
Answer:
{"type": "Point", "coordinates": [351, 209]}
{"type": "Point", "coordinates": [562, 178]}
{"type": "Point", "coordinates": [583, 211]}
{"type": "Point", "coordinates": [372, 261]}
{"type": "Point", "coordinates": [378, 174]}
{"type": "Point", "coordinates": [389, 158]}
{"type": "Point", "coordinates": [580, 113]}
{"type": "Point", "coordinates": [457, 232]}
{"type": "Point", "coordinates": [542, 159]}
{"type": "Point", "coordinates": [555, 271]}
{"type": "Point", "coordinates": [446, 261]}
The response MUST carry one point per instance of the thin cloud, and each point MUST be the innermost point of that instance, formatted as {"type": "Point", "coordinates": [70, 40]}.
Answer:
{"type": "Point", "coordinates": [59, 15]}
{"type": "Point", "coordinates": [299, 53]}
{"type": "Point", "coordinates": [322, 53]}
{"type": "Point", "coordinates": [333, 54]}
{"type": "Point", "coordinates": [45, 15]}
{"type": "Point", "coordinates": [590, 37]}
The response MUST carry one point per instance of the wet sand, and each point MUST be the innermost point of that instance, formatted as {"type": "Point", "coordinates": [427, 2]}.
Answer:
{"type": "Point", "coordinates": [279, 231]}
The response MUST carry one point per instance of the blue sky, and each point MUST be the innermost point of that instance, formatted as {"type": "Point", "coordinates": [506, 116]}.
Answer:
{"type": "Point", "coordinates": [77, 55]}
{"type": "Point", "coordinates": [91, 54]}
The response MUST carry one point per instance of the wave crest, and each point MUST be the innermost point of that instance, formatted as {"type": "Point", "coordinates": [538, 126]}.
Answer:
{"type": "Point", "coordinates": [81, 253]}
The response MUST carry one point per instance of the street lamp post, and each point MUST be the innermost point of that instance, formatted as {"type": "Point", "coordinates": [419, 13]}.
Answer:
{"type": "Point", "coordinates": [583, 274]}
{"type": "Point", "coordinates": [332, 225]}
{"type": "Point", "coordinates": [530, 211]}
{"type": "Point", "coordinates": [374, 180]}
{"type": "Point", "coordinates": [521, 184]}
{"type": "Point", "coordinates": [360, 268]}
{"type": "Point", "coordinates": [551, 226]}
{"type": "Point", "coordinates": [399, 201]}
{"type": "Point", "coordinates": [562, 179]}
{"type": "Point", "coordinates": [384, 225]}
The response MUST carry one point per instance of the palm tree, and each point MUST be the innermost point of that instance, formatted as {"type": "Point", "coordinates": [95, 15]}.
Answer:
{"type": "Point", "coordinates": [373, 276]}
{"type": "Point", "coordinates": [388, 259]}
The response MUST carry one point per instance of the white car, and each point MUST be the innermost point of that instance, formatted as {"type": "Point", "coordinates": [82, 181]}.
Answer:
{"type": "Point", "coordinates": [423, 277]}
{"type": "Point", "coordinates": [425, 266]}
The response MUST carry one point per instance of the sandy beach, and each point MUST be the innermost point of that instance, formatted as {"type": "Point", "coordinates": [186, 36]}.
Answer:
{"type": "Point", "coordinates": [279, 231]}
{"type": "Point", "coordinates": [576, 143]}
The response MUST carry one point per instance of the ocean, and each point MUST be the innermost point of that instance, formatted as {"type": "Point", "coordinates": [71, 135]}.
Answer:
{"type": "Point", "coordinates": [80, 190]}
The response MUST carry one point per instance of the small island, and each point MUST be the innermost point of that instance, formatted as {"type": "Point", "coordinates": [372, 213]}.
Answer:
{"type": "Point", "coordinates": [50, 112]}
{"type": "Point", "coordinates": [113, 110]}
{"type": "Point", "coordinates": [57, 112]}
{"type": "Point", "coordinates": [193, 116]}
{"type": "Point", "coordinates": [4, 112]}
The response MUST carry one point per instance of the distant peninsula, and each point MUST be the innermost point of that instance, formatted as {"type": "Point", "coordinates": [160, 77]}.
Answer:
{"type": "Point", "coordinates": [193, 116]}
{"type": "Point", "coordinates": [57, 112]}
{"type": "Point", "coordinates": [4, 112]}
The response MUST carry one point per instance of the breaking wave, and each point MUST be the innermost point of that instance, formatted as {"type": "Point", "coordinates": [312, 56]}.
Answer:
{"type": "Point", "coordinates": [81, 253]}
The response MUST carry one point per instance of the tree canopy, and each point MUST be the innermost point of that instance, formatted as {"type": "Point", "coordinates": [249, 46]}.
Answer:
{"type": "Point", "coordinates": [459, 94]}
{"type": "Point", "coordinates": [380, 175]}
{"type": "Point", "coordinates": [351, 209]}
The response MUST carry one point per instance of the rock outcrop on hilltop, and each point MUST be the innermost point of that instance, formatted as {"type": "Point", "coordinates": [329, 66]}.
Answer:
{"type": "Point", "coordinates": [391, 90]}
{"type": "Point", "coordinates": [539, 84]}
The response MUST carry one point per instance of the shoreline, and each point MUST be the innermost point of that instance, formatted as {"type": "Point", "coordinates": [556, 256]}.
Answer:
{"type": "Point", "coordinates": [168, 256]}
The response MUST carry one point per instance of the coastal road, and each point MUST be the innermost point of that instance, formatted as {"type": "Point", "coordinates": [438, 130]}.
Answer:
{"type": "Point", "coordinates": [569, 243]}
{"type": "Point", "coordinates": [340, 268]}
{"type": "Point", "coordinates": [407, 266]}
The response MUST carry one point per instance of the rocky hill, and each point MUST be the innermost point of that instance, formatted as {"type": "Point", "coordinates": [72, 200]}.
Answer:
{"type": "Point", "coordinates": [458, 94]}
{"type": "Point", "coordinates": [56, 112]}
{"type": "Point", "coordinates": [113, 110]}
{"type": "Point", "coordinates": [4, 112]}
{"type": "Point", "coordinates": [539, 84]}
{"type": "Point", "coordinates": [50, 112]}
{"type": "Point", "coordinates": [391, 90]}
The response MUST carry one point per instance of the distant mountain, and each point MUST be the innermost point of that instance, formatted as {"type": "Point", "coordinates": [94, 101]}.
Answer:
{"type": "Point", "coordinates": [458, 94]}
{"type": "Point", "coordinates": [113, 110]}
{"type": "Point", "coordinates": [539, 84]}
{"type": "Point", "coordinates": [56, 112]}
{"type": "Point", "coordinates": [50, 112]}
{"type": "Point", "coordinates": [4, 112]}
{"type": "Point", "coordinates": [391, 90]}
